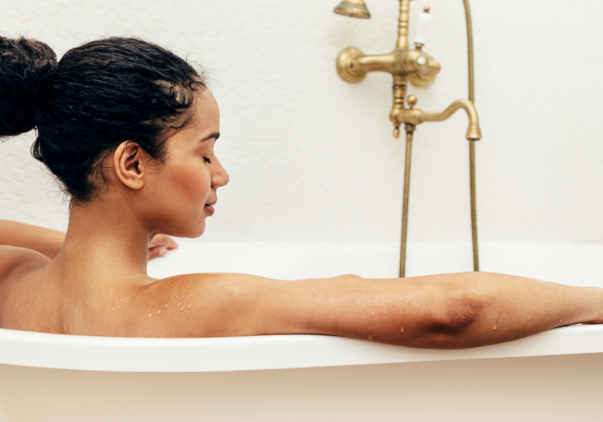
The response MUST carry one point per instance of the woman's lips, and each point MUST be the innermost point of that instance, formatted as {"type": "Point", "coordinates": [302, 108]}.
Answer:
{"type": "Point", "coordinates": [209, 210]}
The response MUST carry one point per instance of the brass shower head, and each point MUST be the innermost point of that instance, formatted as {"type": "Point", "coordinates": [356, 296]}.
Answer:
{"type": "Point", "coordinates": [353, 9]}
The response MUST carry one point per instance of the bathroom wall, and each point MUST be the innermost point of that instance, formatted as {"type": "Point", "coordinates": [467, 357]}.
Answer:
{"type": "Point", "coordinates": [312, 158]}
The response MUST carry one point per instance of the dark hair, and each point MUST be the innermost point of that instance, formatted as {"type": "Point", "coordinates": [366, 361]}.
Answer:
{"type": "Point", "coordinates": [97, 96]}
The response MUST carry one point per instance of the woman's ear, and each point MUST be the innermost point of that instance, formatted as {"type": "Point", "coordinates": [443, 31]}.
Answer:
{"type": "Point", "coordinates": [129, 161]}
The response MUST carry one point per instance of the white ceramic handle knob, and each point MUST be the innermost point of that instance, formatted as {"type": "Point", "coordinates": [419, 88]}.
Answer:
{"type": "Point", "coordinates": [423, 23]}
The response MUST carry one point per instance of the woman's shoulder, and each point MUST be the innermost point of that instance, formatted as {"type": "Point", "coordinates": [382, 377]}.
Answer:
{"type": "Point", "coordinates": [17, 265]}
{"type": "Point", "coordinates": [16, 262]}
{"type": "Point", "coordinates": [210, 305]}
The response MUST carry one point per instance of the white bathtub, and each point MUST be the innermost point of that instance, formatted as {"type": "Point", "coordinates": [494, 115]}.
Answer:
{"type": "Point", "coordinates": [553, 376]}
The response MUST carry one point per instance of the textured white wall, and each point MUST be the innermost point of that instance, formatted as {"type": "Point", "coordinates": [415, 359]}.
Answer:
{"type": "Point", "coordinates": [312, 158]}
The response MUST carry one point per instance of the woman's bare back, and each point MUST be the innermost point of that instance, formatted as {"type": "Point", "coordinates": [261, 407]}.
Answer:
{"type": "Point", "coordinates": [35, 298]}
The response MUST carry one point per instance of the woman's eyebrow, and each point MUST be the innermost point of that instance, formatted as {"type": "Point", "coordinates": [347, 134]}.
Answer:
{"type": "Point", "coordinates": [213, 136]}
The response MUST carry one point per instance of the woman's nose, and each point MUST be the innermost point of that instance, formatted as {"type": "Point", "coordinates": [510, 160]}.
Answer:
{"type": "Point", "coordinates": [220, 177]}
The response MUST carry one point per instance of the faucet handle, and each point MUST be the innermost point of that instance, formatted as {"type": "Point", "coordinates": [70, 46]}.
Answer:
{"type": "Point", "coordinates": [423, 22]}
{"type": "Point", "coordinates": [411, 101]}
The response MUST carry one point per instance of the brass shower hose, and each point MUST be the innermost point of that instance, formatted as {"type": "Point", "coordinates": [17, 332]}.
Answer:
{"type": "Point", "coordinates": [409, 136]}
{"type": "Point", "coordinates": [472, 143]}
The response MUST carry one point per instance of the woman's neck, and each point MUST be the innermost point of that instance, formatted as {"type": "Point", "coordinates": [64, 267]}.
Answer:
{"type": "Point", "coordinates": [104, 242]}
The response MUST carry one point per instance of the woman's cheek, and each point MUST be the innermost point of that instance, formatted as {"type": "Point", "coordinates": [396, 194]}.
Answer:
{"type": "Point", "coordinates": [194, 181]}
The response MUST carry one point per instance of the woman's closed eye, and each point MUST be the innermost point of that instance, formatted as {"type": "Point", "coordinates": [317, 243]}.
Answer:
{"type": "Point", "coordinates": [207, 160]}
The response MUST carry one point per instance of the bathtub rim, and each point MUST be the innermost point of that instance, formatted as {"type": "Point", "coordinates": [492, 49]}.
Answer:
{"type": "Point", "coordinates": [119, 354]}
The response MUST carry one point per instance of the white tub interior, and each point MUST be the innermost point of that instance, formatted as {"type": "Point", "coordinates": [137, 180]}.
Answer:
{"type": "Point", "coordinates": [569, 263]}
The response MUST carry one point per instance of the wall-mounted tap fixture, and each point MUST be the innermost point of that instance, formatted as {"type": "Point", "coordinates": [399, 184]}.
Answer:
{"type": "Point", "coordinates": [420, 69]}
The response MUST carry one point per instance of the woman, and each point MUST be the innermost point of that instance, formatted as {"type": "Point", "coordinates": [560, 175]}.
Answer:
{"type": "Point", "coordinates": [129, 129]}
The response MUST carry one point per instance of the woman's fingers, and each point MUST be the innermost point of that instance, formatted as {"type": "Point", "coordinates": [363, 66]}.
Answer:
{"type": "Point", "coordinates": [163, 240]}
{"type": "Point", "coordinates": [157, 251]}
{"type": "Point", "coordinates": [160, 245]}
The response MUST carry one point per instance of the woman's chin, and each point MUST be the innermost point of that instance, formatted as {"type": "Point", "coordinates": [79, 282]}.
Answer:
{"type": "Point", "coordinates": [197, 231]}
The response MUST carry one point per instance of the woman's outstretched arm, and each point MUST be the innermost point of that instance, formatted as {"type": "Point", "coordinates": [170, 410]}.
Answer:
{"type": "Point", "coordinates": [46, 241]}
{"type": "Point", "coordinates": [449, 311]}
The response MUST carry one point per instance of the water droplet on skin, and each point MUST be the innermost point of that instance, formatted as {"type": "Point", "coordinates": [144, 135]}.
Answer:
{"type": "Point", "coordinates": [407, 302]}
{"type": "Point", "coordinates": [418, 305]}
{"type": "Point", "coordinates": [159, 310]}
{"type": "Point", "coordinates": [65, 328]}
{"type": "Point", "coordinates": [189, 305]}
{"type": "Point", "coordinates": [385, 312]}
{"type": "Point", "coordinates": [259, 293]}
{"type": "Point", "coordinates": [373, 313]}
{"type": "Point", "coordinates": [112, 309]}
{"type": "Point", "coordinates": [166, 305]}
{"type": "Point", "coordinates": [402, 329]}
{"type": "Point", "coordinates": [121, 300]}
{"type": "Point", "coordinates": [151, 314]}
{"type": "Point", "coordinates": [494, 328]}
{"type": "Point", "coordinates": [182, 309]}
{"type": "Point", "coordinates": [561, 319]}
{"type": "Point", "coordinates": [178, 305]}
{"type": "Point", "coordinates": [369, 328]}
{"type": "Point", "coordinates": [529, 317]}
{"type": "Point", "coordinates": [325, 296]}
{"type": "Point", "coordinates": [504, 315]}
{"type": "Point", "coordinates": [235, 295]}
{"type": "Point", "coordinates": [370, 337]}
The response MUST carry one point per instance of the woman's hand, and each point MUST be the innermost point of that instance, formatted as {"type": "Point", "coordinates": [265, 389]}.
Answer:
{"type": "Point", "coordinates": [160, 245]}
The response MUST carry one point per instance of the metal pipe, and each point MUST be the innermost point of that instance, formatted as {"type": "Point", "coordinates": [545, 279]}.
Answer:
{"type": "Point", "coordinates": [471, 143]}
{"type": "Point", "coordinates": [409, 134]}
{"type": "Point", "coordinates": [403, 19]}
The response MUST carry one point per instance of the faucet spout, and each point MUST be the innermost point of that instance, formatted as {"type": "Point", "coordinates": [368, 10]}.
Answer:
{"type": "Point", "coordinates": [400, 115]}
{"type": "Point", "coordinates": [473, 132]}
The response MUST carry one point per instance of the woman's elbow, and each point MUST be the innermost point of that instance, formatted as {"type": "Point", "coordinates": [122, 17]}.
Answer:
{"type": "Point", "coordinates": [459, 313]}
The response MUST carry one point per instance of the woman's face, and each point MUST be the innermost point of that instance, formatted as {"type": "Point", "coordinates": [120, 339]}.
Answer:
{"type": "Point", "coordinates": [191, 174]}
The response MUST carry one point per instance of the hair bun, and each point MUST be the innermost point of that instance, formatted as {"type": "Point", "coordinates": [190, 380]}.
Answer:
{"type": "Point", "coordinates": [26, 67]}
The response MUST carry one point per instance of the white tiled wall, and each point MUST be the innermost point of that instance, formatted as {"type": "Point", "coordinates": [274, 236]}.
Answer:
{"type": "Point", "coordinates": [312, 158]}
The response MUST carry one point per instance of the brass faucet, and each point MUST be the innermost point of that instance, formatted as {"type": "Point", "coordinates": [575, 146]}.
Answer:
{"type": "Point", "coordinates": [420, 69]}
{"type": "Point", "coordinates": [404, 64]}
